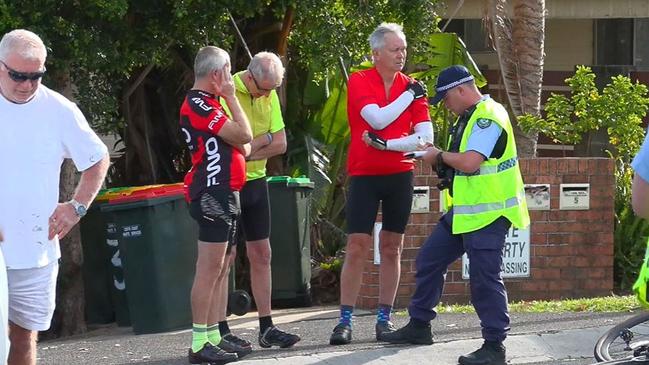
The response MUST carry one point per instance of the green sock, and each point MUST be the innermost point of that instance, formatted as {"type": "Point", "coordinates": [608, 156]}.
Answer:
{"type": "Point", "coordinates": [199, 336]}
{"type": "Point", "coordinates": [213, 334]}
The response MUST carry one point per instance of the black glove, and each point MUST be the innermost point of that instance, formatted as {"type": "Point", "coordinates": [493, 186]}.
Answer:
{"type": "Point", "coordinates": [417, 89]}
{"type": "Point", "coordinates": [440, 166]}
{"type": "Point", "coordinates": [444, 173]}
{"type": "Point", "coordinates": [377, 142]}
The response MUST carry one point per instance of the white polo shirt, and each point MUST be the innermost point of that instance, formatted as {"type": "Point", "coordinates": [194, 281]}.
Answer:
{"type": "Point", "coordinates": [35, 137]}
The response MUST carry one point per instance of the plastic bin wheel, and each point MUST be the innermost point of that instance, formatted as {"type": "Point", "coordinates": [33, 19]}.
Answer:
{"type": "Point", "coordinates": [239, 302]}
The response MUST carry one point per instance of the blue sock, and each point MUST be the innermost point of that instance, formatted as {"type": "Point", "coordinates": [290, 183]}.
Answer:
{"type": "Point", "coordinates": [346, 312]}
{"type": "Point", "coordinates": [383, 313]}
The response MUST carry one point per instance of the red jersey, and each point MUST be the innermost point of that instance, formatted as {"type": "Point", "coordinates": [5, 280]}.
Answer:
{"type": "Point", "coordinates": [215, 163]}
{"type": "Point", "coordinates": [366, 87]}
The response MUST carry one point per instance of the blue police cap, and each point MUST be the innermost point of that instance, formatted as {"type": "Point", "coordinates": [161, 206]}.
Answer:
{"type": "Point", "coordinates": [449, 78]}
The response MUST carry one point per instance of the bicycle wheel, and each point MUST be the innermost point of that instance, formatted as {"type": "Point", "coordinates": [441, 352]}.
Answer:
{"type": "Point", "coordinates": [641, 360]}
{"type": "Point", "coordinates": [612, 344]}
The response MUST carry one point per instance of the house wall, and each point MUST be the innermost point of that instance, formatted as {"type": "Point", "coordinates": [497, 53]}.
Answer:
{"type": "Point", "coordinates": [567, 43]}
{"type": "Point", "coordinates": [563, 9]}
{"type": "Point", "coordinates": [571, 252]}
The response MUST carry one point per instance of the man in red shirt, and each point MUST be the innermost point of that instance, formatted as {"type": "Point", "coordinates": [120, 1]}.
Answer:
{"type": "Point", "coordinates": [218, 145]}
{"type": "Point", "coordinates": [388, 115]}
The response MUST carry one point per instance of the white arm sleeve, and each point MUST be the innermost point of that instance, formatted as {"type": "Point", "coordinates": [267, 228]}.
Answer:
{"type": "Point", "coordinates": [379, 118]}
{"type": "Point", "coordinates": [423, 134]}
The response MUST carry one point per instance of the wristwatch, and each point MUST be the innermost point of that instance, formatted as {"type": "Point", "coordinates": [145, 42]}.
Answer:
{"type": "Point", "coordinates": [79, 208]}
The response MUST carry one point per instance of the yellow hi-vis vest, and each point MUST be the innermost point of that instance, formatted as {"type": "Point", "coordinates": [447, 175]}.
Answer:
{"type": "Point", "coordinates": [640, 285]}
{"type": "Point", "coordinates": [496, 189]}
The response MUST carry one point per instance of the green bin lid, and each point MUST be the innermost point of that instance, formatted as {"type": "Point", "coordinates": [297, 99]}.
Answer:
{"type": "Point", "coordinates": [293, 182]}
{"type": "Point", "coordinates": [277, 179]}
{"type": "Point", "coordinates": [301, 182]}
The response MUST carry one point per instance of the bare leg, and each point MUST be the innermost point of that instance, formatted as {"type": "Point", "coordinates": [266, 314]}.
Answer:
{"type": "Point", "coordinates": [205, 289]}
{"type": "Point", "coordinates": [259, 255]}
{"type": "Point", "coordinates": [23, 345]}
{"type": "Point", "coordinates": [358, 246]}
{"type": "Point", "coordinates": [218, 312]}
{"type": "Point", "coordinates": [391, 244]}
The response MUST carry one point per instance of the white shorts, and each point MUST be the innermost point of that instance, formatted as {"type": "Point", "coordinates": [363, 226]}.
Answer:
{"type": "Point", "coordinates": [32, 296]}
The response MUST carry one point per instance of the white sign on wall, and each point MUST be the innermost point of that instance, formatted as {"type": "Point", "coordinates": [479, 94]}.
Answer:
{"type": "Point", "coordinates": [377, 251]}
{"type": "Point", "coordinates": [516, 255]}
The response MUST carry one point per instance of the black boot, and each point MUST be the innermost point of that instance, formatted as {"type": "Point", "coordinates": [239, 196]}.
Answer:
{"type": "Point", "coordinates": [212, 355]}
{"type": "Point", "coordinates": [341, 335]}
{"type": "Point", "coordinates": [415, 332]}
{"type": "Point", "coordinates": [382, 328]}
{"type": "Point", "coordinates": [491, 353]}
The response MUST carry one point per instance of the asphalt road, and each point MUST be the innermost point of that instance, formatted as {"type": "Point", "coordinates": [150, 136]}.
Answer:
{"type": "Point", "coordinates": [575, 332]}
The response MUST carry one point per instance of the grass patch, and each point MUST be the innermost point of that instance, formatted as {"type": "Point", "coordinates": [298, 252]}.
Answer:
{"type": "Point", "coordinates": [603, 304]}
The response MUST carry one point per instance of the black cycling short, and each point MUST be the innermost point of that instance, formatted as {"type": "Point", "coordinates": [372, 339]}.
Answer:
{"type": "Point", "coordinates": [393, 191]}
{"type": "Point", "coordinates": [255, 210]}
{"type": "Point", "coordinates": [216, 211]}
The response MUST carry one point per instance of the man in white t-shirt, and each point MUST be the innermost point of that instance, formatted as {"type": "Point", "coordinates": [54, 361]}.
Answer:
{"type": "Point", "coordinates": [39, 129]}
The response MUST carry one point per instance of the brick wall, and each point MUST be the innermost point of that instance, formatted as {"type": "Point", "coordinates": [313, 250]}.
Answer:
{"type": "Point", "coordinates": [571, 252]}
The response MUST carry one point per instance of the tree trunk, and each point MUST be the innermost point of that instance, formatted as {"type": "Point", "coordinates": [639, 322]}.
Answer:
{"type": "Point", "coordinates": [140, 164]}
{"type": "Point", "coordinates": [501, 27]}
{"type": "Point", "coordinates": [520, 53]}
{"type": "Point", "coordinates": [69, 315]}
{"type": "Point", "coordinates": [275, 164]}
{"type": "Point", "coordinates": [70, 284]}
{"type": "Point", "coordinates": [528, 43]}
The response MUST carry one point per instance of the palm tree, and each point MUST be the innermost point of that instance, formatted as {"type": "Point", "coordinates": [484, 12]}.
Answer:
{"type": "Point", "coordinates": [519, 43]}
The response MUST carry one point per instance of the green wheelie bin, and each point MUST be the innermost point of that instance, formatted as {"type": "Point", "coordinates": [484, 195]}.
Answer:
{"type": "Point", "coordinates": [157, 240]}
{"type": "Point", "coordinates": [290, 239]}
{"type": "Point", "coordinates": [103, 277]}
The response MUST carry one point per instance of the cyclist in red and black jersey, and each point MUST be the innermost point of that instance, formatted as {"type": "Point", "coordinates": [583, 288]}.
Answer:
{"type": "Point", "coordinates": [218, 145]}
{"type": "Point", "coordinates": [215, 163]}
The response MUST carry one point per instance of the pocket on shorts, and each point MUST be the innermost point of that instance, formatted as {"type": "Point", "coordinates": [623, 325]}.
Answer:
{"type": "Point", "coordinates": [219, 205]}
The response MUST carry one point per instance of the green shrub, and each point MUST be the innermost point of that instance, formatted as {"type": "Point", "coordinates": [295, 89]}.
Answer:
{"type": "Point", "coordinates": [619, 108]}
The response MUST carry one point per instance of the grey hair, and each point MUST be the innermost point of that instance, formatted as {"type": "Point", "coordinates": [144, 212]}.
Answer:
{"type": "Point", "coordinates": [209, 59]}
{"type": "Point", "coordinates": [377, 38]}
{"type": "Point", "coordinates": [267, 66]}
{"type": "Point", "coordinates": [26, 44]}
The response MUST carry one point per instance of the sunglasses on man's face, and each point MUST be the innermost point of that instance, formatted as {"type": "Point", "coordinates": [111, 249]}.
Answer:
{"type": "Point", "coordinates": [22, 76]}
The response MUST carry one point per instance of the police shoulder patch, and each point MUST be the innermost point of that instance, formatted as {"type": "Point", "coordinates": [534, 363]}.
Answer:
{"type": "Point", "coordinates": [483, 123]}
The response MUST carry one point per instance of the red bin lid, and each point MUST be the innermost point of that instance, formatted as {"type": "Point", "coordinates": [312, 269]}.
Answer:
{"type": "Point", "coordinates": [158, 191]}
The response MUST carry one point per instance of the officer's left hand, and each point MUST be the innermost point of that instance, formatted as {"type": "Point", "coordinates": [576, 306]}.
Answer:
{"type": "Point", "coordinates": [62, 220]}
{"type": "Point", "coordinates": [431, 155]}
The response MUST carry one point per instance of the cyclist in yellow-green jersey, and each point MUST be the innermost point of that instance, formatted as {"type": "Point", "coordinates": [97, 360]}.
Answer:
{"type": "Point", "coordinates": [256, 89]}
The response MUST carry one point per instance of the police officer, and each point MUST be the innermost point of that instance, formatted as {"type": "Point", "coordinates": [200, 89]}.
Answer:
{"type": "Point", "coordinates": [485, 195]}
{"type": "Point", "coordinates": [640, 204]}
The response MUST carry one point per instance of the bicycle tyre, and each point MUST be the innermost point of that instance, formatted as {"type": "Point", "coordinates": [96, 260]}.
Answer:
{"type": "Point", "coordinates": [631, 361]}
{"type": "Point", "coordinates": [603, 345]}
